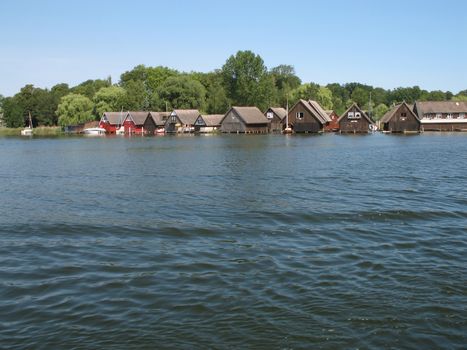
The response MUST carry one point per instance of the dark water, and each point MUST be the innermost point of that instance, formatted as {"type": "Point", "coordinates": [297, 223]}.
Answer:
{"type": "Point", "coordinates": [228, 242]}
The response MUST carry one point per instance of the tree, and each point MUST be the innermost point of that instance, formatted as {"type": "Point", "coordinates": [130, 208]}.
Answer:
{"type": "Point", "coordinates": [137, 97]}
{"type": "Point", "coordinates": [89, 87]}
{"type": "Point", "coordinates": [308, 91]}
{"type": "Point", "coordinates": [181, 92]}
{"type": "Point", "coordinates": [13, 114]}
{"type": "Point", "coordinates": [379, 111]}
{"type": "Point", "coordinates": [247, 82]}
{"type": "Point", "coordinates": [110, 99]}
{"type": "Point", "coordinates": [324, 97]}
{"type": "Point", "coordinates": [152, 77]}
{"type": "Point", "coordinates": [74, 109]}
{"type": "Point", "coordinates": [286, 80]}
{"type": "Point", "coordinates": [360, 96]}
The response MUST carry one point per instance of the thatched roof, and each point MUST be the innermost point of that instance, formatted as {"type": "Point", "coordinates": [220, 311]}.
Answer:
{"type": "Point", "coordinates": [159, 117]}
{"type": "Point", "coordinates": [316, 111]}
{"type": "Point", "coordinates": [114, 118]}
{"type": "Point", "coordinates": [424, 107]}
{"type": "Point", "coordinates": [279, 111]}
{"type": "Point", "coordinates": [212, 119]}
{"type": "Point", "coordinates": [186, 116]}
{"type": "Point", "coordinates": [138, 117]}
{"type": "Point", "coordinates": [249, 115]}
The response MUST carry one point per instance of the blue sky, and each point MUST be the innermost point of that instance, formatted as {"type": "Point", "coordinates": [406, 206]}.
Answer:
{"type": "Point", "coordinates": [381, 43]}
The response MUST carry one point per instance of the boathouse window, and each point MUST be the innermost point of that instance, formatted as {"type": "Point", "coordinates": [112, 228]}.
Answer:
{"type": "Point", "coordinates": [461, 115]}
{"type": "Point", "coordinates": [449, 116]}
{"type": "Point", "coordinates": [173, 119]}
{"type": "Point", "coordinates": [270, 115]}
{"type": "Point", "coordinates": [351, 115]}
{"type": "Point", "coordinates": [299, 115]}
{"type": "Point", "coordinates": [404, 114]}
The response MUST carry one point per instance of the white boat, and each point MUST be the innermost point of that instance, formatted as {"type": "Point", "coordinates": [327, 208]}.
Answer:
{"type": "Point", "coordinates": [94, 131]}
{"type": "Point", "coordinates": [27, 131]}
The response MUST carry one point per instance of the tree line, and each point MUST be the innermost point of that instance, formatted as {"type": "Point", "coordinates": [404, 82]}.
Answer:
{"type": "Point", "coordinates": [243, 80]}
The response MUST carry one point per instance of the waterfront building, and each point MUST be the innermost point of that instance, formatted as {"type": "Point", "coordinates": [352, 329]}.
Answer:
{"type": "Point", "coordinates": [307, 117]}
{"type": "Point", "coordinates": [181, 121]}
{"type": "Point", "coordinates": [400, 118]}
{"type": "Point", "coordinates": [275, 116]}
{"type": "Point", "coordinates": [354, 120]}
{"type": "Point", "coordinates": [441, 115]}
{"type": "Point", "coordinates": [207, 123]}
{"type": "Point", "coordinates": [244, 120]}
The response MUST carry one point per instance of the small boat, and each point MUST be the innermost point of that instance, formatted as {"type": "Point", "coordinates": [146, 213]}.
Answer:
{"type": "Point", "coordinates": [27, 131]}
{"type": "Point", "coordinates": [94, 131]}
{"type": "Point", "coordinates": [160, 131]}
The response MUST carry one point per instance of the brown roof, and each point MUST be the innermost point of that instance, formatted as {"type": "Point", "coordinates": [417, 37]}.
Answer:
{"type": "Point", "coordinates": [316, 110]}
{"type": "Point", "coordinates": [212, 119]}
{"type": "Point", "coordinates": [361, 112]}
{"type": "Point", "coordinates": [159, 117]}
{"type": "Point", "coordinates": [138, 117]}
{"type": "Point", "coordinates": [389, 114]}
{"type": "Point", "coordinates": [320, 110]}
{"type": "Point", "coordinates": [187, 116]}
{"type": "Point", "coordinates": [249, 115]}
{"type": "Point", "coordinates": [440, 107]}
{"type": "Point", "coordinates": [279, 111]}
{"type": "Point", "coordinates": [114, 118]}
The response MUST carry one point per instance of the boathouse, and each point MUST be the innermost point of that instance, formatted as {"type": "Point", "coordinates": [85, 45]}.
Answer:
{"type": "Point", "coordinates": [134, 122]}
{"type": "Point", "coordinates": [208, 123]}
{"type": "Point", "coordinates": [247, 120]}
{"type": "Point", "coordinates": [307, 117]}
{"type": "Point", "coordinates": [275, 116]}
{"type": "Point", "coordinates": [159, 118]}
{"type": "Point", "coordinates": [181, 121]}
{"type": "Point", "coordinates": [400, 118]}
{"type": "Point", "coordinates": [334, 123]}
{"type": "Point", "coordinates": [442, 115]}
{"type": "Point", "coordinates": [354, 120]}
{"type": "Point", "coordinates": [111, 121]}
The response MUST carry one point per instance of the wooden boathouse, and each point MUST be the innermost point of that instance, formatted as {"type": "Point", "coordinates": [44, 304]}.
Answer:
{"type": "Point", "coordinates": [248, 120]}
{"type": "Point", "coordinates": [355, 121]}
{"type": "Point", "coordinates": [442, 115]}
{"type": "Point", "coordinates": [275, 116]}
{"type": "Point", "coordinates": [307, 117]}
{"type": "Point", "coordinates": [111, 121]}
{"type": "Point", "coordinates": [158, 122]}
{"type": "Point", "coordinates": [134, 122]}
{"type": "Point", "coordinates": [207, 123]}
{"type": "Point", "coordinates": [400, 119]}
{"type": "Point", "coordinates": [182, 121]}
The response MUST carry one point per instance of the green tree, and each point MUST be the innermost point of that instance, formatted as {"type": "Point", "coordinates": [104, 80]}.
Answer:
{"type": "Point", "coordinates": [360, 96]}
{"type": "Point", "coordinates": [307, 91]}
{"type": "Point", "coordinates": [247, 82]}
{"type": "Point", "coordinates": [110, 99]}
{"type": "Point", "coordinates": [137, 97]}
{"type": "Point", "coordinates": [324, 97]}
{"type": "Point", "coordinates": [181, 92]}
{"type": "Point", "coordinates": [89, 87]}
{"type": "Point", "coordinates": [286, 80]}
{"type": "Point", "coordinates": [74, 109]}
{"type": "Point", "coordinates": [13, 113]}
{"type": "Point", "coordinates": [379, 111]}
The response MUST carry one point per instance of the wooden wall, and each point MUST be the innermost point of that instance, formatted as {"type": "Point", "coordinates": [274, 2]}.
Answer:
{"type": "Point", "coordinates": [308, 124]}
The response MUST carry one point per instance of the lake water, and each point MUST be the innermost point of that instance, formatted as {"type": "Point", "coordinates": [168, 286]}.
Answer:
{"type": "Point", "coordinates": [230, 242]}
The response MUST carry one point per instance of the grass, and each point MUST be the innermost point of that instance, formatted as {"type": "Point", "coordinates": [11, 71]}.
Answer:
{"type": "Point", "coordinates": [39, 131]}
